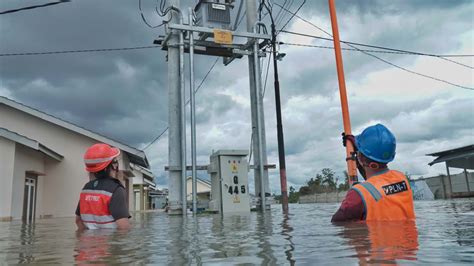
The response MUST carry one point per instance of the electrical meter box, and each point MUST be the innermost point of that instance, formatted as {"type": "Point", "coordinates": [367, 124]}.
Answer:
{"type": "Point", "coordinates": [229, 182]}
{"type": "Point", "coordinates": [213, 14]}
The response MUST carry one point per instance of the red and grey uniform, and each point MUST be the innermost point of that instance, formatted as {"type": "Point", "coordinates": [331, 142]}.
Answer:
{"type": "Point", "coordinates": [102, 202]}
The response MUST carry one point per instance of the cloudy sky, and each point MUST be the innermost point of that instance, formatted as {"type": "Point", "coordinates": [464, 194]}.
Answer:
{"type": "Point", "coordinates": [123, 94]}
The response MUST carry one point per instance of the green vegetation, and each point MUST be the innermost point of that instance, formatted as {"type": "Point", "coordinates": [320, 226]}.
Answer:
{"type": "Point", "coordinates": [323, 182]}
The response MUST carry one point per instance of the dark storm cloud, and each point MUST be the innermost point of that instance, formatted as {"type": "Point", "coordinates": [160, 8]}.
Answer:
{"type": "Point", "coordinates": [212, 104]}
{"type": "Point", "coordinates": [120, 94]}
{"type": "Point", "coordinates": [124, 94]}
{"type": "Point", "coordinates": [75, 25]}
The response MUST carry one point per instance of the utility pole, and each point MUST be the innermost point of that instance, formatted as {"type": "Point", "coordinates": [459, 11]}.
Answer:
{"type": "Point", "coordinates": [193, 111]}
{"type": "Point", "coordinates": [281, 141]}
{"type": "Point", "coordinates": [174, 118]}
{"type": "Point", "coordinates": [258, 128]}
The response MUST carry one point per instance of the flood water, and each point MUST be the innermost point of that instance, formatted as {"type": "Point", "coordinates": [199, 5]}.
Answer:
{"type": "Point", "coordinates": [443, 233]}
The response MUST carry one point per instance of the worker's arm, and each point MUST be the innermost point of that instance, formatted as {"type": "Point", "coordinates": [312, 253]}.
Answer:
{"type": "Point", "coordinates": [119, 208]}
{"type": "Point", "coordinates": [80, 224]}
{"type": "Point", "coordinates": [352, 208]}
{"type": "Point", "coordinates": [123, 223]}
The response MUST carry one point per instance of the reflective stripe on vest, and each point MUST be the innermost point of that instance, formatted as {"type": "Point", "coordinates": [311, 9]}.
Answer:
{"type": "Point", "coordinates": [97, 219]}
{"type": "Point", "coordinates": [94, 209]}
{"type": "Point", "coordinates": [102, 192]}
{"type": "Point", "coordinates": [100, 226]}
{"type": "Point", "coordinates": [386, 197]}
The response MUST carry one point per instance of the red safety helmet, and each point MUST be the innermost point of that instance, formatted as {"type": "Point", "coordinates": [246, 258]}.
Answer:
{"type": "Point", "coordinates": [99, 156]}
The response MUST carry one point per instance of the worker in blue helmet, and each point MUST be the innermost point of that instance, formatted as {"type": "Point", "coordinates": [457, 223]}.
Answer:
{"type": "Point", "coordinates": [386, 194]}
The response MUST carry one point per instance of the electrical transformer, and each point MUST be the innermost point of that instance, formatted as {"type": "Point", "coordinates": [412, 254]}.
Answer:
{"type": "Point", "coordinates": [229, 182]}
{"type": "Point", "coordinates": [214, 14]}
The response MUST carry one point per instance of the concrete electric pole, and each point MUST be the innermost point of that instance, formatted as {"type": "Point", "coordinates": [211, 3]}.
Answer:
{"type": "Point", "coordinates": [258, 127]}
{"type": "Point", "coordinates": [175, 118]}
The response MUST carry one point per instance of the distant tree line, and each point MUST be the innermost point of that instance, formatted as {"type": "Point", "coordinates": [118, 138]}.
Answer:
{"type": "Point", "coordinates": [323, 182]}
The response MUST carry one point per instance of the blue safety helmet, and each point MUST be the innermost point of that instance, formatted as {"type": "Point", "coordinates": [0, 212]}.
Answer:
{"type": "Point", "coordinates": [377, 143]}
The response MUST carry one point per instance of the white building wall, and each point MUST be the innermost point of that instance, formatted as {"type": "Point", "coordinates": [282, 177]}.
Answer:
{"type": "Point", "coordinates": [7, 158]}
{"type": "Point", "coordinates": [138, 178]}
{"type": "Point", "coordinates": [64, 180]}
{"type": "Point", "coordinates": [200, 187]}
{"type": "Point", "coordinates": [26, 159]}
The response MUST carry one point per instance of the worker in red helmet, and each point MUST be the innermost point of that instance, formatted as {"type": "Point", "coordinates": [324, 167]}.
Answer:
{"type": "Point", "coordinates": [103, 200]}
{"type": "Point", "coordinates": [386, 194]}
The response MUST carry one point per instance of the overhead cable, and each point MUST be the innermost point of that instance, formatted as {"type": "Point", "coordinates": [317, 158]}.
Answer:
{"type": "Point", "coordinates": [394, 51]}
{"type": "Point", "coordinates": [266, 74]}
{"type": "Point", "coordinates": [33, 7]}
{"type": "Point", "coordinates": [237, 17]}
{"type": "Point", "coordinates": [81, 51]}
{"type": "Point", "coordinates": [383, 60]}
{"type": "Point", "coordinates": [144, 19]}
{"type": "Point", "coordinates": [377, 47]}
{"type": "Point", "coordinates": [293, 14]}
{"type": "Point", "coordinates": [187, 102]}
{"type": "Point", "coordinates": [156, 138]}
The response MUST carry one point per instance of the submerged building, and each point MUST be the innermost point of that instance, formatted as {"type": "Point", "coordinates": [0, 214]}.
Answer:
{"type": "Point", "coordinates": [458, 185]}
{"type": "Point", "coordinates": [203, 192]}
{"type": "Point", "coordinates": [42, 169]}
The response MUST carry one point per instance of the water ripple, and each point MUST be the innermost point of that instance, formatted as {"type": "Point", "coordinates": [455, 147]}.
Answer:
{"type": "Point", "coordinates": [443, 233]}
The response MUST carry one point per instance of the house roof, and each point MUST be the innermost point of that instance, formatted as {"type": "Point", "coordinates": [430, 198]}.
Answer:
{"type": "Point", "coordinates": [145, 171]}
{"type": "Point", "coordinates": [136, 156]}
{"type": "Point", "coordinates": [206, 182]}
{"type": "Point", "coordinates": [31, 143]}
{"type": "Point", "coordinates": [462, 157]}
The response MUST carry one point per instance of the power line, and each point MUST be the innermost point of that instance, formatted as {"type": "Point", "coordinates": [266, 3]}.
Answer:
{"type": "Point", "coordinates": [280, 20]}
{"type": "Point", "coordinates": [378, 47]}
{"type": "Point", "coordinates": [374, 46]}
{"type": "Point", "coordinates": [345, 49]}
{"type": "Point", "coordinates": [33, 7]}
{"type": "Point", "coordinates": [237, 17]}
{"type": "Point", "coordinates": [146, 22]}
{"type": "Point", "coordinates": [197, 89]}
{"type": "Point", "coordinates": [266, 75]}
{"type": "Point", "coordinates": [294, 14]}
{"type": "Point", "coordinates": [279, 11]}
{"type": "Point", "coordinates": [394, 51]}
{"type": "Point", "coordinates": [156, 138]}
{"type": "Point", "coordinates": [81, 51]}
{"type": "Point", "coordinates": [241, 19]}
{"type": "Point", "coordinates": [385, 61]}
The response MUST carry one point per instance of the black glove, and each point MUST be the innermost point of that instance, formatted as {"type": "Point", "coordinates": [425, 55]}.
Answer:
{"type": "Point", "coordinates": [350, 138]}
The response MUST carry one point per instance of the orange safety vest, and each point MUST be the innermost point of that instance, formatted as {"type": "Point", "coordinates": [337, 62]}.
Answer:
{"type": "Point", "coordinates": [94, 204]}
{"type": "Point", "coordinates": [387, 197]}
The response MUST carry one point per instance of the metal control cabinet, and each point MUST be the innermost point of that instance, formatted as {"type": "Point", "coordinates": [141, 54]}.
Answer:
{"type": "Point", "coordinates": [229, 182]}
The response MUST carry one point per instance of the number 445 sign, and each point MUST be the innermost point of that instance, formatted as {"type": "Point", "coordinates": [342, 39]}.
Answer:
{"type": "Point", "coordinates": [235, 190]}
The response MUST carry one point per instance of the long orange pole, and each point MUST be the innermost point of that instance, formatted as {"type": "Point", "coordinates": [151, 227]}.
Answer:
{"type": "Point", "coordinates": [351, 165]}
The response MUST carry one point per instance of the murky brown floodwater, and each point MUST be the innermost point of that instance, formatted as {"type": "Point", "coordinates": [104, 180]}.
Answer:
{"type": "Point", "coordinates": [443, 234]}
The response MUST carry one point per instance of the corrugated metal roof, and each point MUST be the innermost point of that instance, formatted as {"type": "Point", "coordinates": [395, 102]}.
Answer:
{"type": "Point", "coordinates": [462, 157]}
{"type": "Point", "coordinates": [467, 148]}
